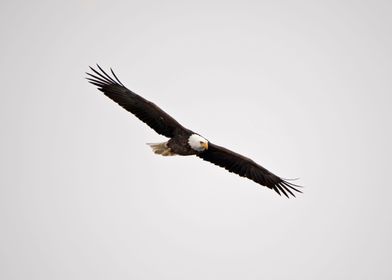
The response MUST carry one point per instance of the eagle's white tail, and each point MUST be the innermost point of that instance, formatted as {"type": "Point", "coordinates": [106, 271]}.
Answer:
{"type": "Point", "coordinates": [161, 149]}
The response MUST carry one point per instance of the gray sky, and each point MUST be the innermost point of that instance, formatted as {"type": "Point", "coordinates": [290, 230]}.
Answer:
{"type": "Point", "coordinates": [302, 87]}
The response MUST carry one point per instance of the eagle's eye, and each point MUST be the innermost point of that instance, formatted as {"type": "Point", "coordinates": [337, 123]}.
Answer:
{"type": "Point", "coordinates": [201, 142]}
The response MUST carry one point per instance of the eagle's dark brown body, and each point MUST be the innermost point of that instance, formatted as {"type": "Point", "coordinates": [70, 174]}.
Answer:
{"type": "Point", "coordinates": [179, 144]}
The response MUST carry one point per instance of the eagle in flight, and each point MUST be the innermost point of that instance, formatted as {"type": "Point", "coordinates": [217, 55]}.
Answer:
{"type": "Point", "coordinates": [183, 141]}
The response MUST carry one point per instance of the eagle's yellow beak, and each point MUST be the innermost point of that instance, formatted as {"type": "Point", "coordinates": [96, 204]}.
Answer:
{"type": "Point", "coordinates": [205, 145]}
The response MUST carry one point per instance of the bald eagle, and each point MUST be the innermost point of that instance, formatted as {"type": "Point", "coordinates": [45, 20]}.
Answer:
{"type": "Point", "coordinates": [183, 141]}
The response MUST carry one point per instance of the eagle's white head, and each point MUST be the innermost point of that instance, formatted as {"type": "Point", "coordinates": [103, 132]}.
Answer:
{"type": "Point", "coordinates": [198, 143]}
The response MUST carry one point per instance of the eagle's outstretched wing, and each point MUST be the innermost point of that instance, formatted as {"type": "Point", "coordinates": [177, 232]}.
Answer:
{"type": "Point", "coordinates": [145, 110]}
{"type": "Point", "coordinates": [246, 167]}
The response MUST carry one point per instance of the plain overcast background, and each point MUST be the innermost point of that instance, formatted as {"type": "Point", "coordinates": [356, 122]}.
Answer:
{"type": "Point", "coordinates": [302, 87]}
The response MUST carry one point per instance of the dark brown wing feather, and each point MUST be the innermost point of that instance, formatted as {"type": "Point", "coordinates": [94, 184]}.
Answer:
{"type": "Point", "coordinates": [246, 167]}
{"type": "Point", "coordinates": [145, 110]}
